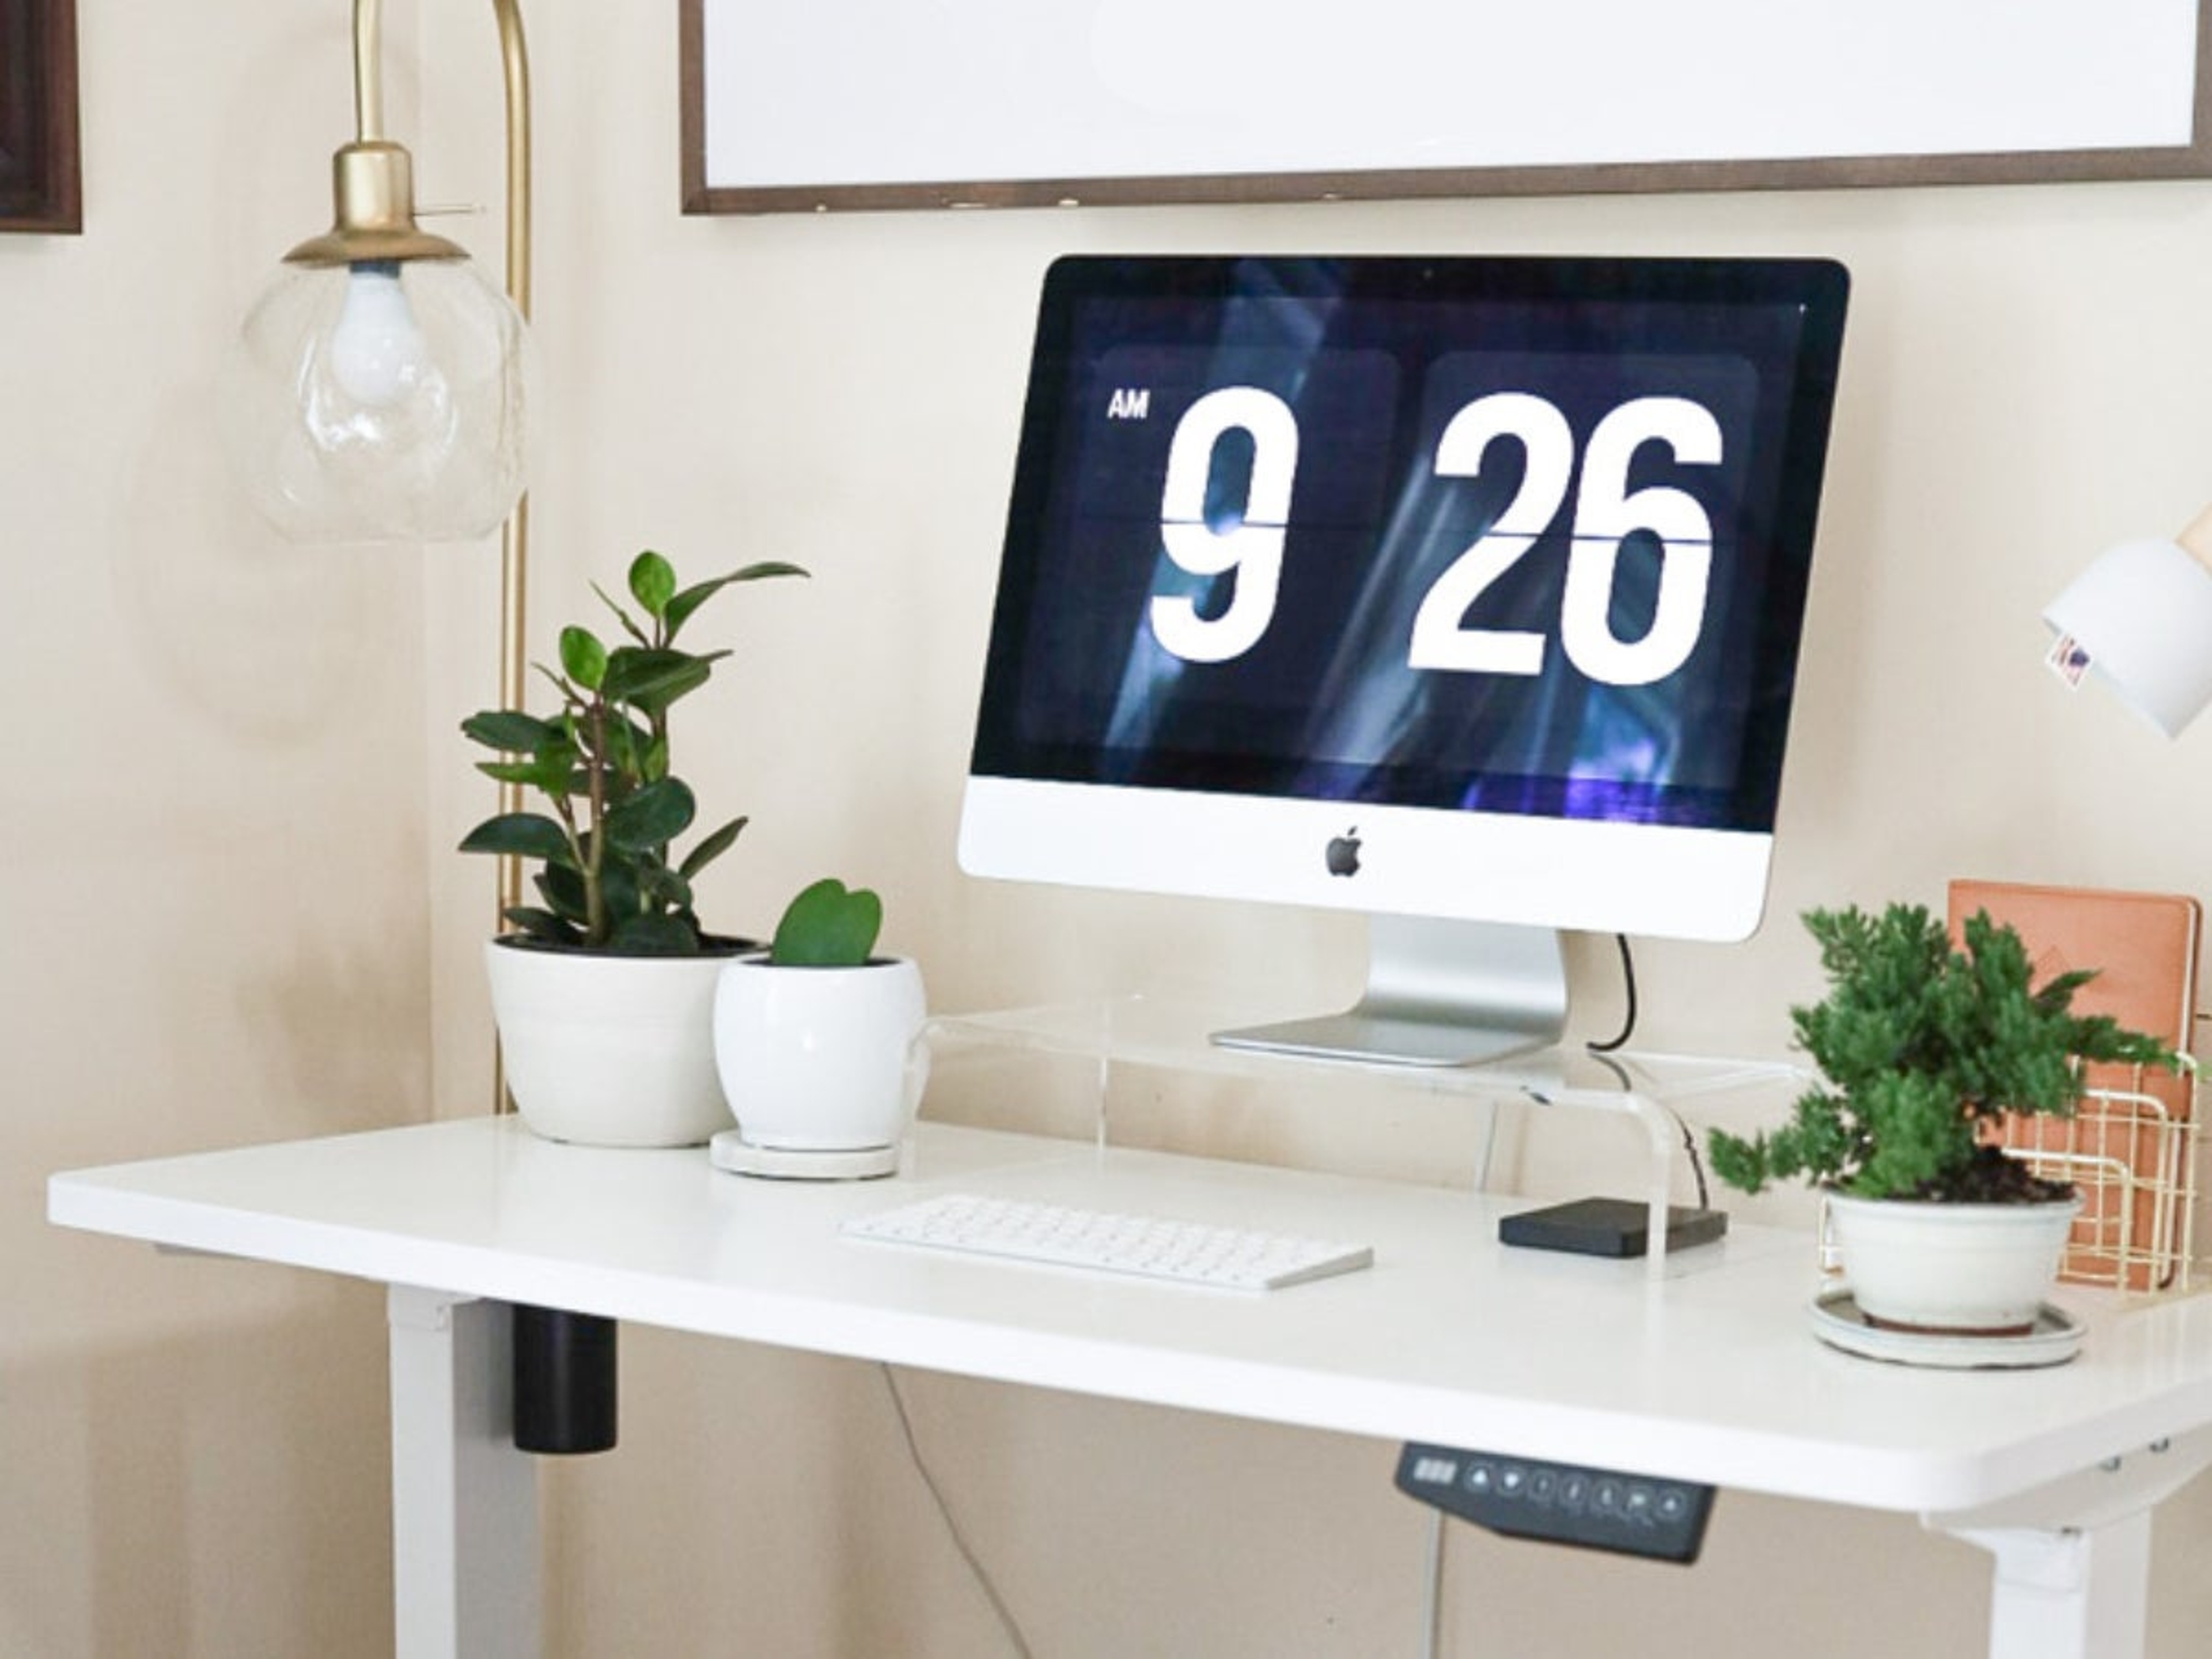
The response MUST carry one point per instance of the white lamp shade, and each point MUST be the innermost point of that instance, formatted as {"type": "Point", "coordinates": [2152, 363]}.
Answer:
{"type": "Point", "coordinates": [2142, 615]}
{"type": "Point", "coordinates": [380, 402]}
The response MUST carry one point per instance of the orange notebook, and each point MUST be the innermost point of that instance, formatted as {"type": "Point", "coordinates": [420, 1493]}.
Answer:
{"type": "Point", "coordinates": [2144, 948]}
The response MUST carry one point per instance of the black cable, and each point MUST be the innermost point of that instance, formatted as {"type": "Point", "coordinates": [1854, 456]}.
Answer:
{"type": "Point", "coordinates": [1689, 1134]}
{"type": "Point", "coordinates": [1628, 1017]}
{"type": "Point", "coordinates": [1697, 1162]}
{"type": "Point", "coordinates": [1614, 1044]}
{"type": "Point", "coordinates": [981, 1574]}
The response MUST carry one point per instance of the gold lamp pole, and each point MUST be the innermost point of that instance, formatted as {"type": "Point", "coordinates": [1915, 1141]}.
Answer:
{"type": "Point", "coordinates": [514, 534]}
{"type": "Point", "coordinates": [373, 186]}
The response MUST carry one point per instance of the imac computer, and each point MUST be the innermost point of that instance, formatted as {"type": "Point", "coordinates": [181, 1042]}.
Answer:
{"type": "Point", "coordinates": [1464, 591]}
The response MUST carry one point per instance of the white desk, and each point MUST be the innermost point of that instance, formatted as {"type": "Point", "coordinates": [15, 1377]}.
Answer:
{"type": "Point", "coordinates": [1707, 1373]}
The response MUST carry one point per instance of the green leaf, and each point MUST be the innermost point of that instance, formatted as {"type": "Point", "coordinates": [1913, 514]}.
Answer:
{"type": "Point", "coordinates": [711, 848]}
{"type": "Point", "coordinates": [652, 582]}
{"type": "Point", "coordinates": [679, 609]}
{"type": "Point", "coordinates": [828, 926]}
{"type": "Point", "coordinates": [653, 816]}
{"type": "Point", "coordinates": [666, 888]}
{"type": "Point", "coordinates": [526, 834]}
{"type": "Point", "coordinates": [650, 679]}
{"type": "Point", "coordinates": [583, 659]}
{"type": "Point", "coordinates": [551, 770]}
{"type": "Point", "coordinates": [562, 889]}
{"type": "Point", "coordinates": [654, 936]}
{"type": "Point", "coordinates": [510, 732]}
{"type": "Point", "coordinates": [543, 925]}
{"type": "Point", "coordinates": [618, 885]}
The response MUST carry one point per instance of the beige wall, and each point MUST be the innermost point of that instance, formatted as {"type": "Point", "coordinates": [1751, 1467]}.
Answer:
{"type": "Point", "coordinates": [213, 880]}
{"type": "Point", "coordinates": [237, 780]}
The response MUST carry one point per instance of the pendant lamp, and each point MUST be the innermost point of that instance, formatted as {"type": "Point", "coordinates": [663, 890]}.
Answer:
{"type": "Point", "coordinates": [378, 389]}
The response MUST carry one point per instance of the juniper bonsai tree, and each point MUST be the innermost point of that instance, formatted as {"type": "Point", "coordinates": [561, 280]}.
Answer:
{"type": "Point", "coordinates": [609, 878]}
{"type": "Point", "coordinates": [1921, 1047]}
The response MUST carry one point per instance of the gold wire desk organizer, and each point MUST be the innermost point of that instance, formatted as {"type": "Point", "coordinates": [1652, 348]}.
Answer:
{"type": "Point", "coordinates": [2134, 1157]}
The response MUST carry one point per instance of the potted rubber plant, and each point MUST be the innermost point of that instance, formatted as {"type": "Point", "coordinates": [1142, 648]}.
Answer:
{"type": "Point", "coordinates": [1922, 1046]}
{"type": "Point", "coordinates": [817, 1038]}
{"type": "Point", "coordinates": [603, 991]}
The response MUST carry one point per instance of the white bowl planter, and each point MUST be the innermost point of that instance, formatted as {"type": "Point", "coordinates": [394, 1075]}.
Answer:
{"type": "Point", "coordinates": [820, 1059]}
{"type": "Point", "coordinates": [1981, 1268]}
{"type": "Point", "coordinates": [608, 1050]}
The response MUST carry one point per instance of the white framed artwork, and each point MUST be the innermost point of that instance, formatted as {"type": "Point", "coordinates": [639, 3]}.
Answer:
{"type": "Point", "coordinates": [874, 104]}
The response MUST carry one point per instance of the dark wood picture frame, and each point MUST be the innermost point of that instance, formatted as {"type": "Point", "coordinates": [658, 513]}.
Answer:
{"type": "Point", "coordinates": [2192, 160]}
{"type": "Point", "coordinates": [39, 186]}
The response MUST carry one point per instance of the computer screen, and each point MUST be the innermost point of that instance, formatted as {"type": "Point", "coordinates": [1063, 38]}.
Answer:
{"type": "Point", "coordinates": [1458, 588]}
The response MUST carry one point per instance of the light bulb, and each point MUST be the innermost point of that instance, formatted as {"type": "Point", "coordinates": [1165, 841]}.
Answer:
{"type": "Point", "coordinates": [378, 355]}
{"type": "Point", "coordinates": [361, 403]}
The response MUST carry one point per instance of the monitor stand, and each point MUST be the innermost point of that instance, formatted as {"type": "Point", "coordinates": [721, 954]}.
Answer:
{"type": "Point", "coordinates": [1438, 994]}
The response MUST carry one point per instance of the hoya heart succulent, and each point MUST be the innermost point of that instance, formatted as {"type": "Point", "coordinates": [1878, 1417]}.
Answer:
{"type": "Point", "coordinates": [828, 926]}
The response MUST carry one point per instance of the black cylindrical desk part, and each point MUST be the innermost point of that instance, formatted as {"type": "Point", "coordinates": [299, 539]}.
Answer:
{"type": "Point", "coordinates": [564, 1381]}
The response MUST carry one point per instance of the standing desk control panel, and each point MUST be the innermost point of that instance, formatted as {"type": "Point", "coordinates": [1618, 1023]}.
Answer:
{"type": "Point", "coordinates": [1561, 1503]}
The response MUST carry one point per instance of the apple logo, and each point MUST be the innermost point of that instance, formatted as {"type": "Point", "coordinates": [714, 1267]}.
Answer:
{"type": "Point", "coordinates": [1343, 854]}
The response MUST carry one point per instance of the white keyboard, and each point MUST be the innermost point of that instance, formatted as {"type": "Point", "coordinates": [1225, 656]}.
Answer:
{"type": "Point", "coordinates": [1150, 1247]}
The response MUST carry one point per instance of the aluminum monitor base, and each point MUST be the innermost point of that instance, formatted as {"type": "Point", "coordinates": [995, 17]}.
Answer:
{"type": "Point", "coordinates": [1439, 994]}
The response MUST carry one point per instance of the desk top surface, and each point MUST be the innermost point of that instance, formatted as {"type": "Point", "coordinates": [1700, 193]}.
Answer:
{"type": "Point", "coordinates": [1709, 1373]}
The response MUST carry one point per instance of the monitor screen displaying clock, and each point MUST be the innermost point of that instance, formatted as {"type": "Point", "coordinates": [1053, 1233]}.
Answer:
{"type": "Point", "coordinates": [1465, 588]}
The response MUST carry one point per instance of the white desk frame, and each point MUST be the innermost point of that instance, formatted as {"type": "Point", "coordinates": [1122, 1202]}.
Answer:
{"type": "Point", "coordinates": [1706, 1373]}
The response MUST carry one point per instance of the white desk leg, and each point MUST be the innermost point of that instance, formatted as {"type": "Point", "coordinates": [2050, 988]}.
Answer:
{"type": "Point", "coordinates": [464, 1501]}
{"type": "Point", "coordinates": [2073, 1558]}
{"type": "Point", "coordinates": [2068, 1595]}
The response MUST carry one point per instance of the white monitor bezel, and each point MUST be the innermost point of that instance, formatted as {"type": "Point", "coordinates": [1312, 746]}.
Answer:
{"type": "Point", "coordinates": [1583, 875]}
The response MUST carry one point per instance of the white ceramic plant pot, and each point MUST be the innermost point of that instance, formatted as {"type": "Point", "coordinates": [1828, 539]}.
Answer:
{"type": "Point", "coordinates": [1964, 1268]}
{"type": "Point", "coordinates": [609, 1051]}
{"type": "Point", "coordinates": [820, 1059]}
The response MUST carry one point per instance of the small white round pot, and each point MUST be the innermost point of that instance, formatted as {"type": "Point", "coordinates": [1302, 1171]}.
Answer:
{"type": "Point", "coordinates": [1964, 1268]}
{"type": "Point", "coordinates": [820, 1059]}
{"type": "Point", "coordinates": [605, 1050]}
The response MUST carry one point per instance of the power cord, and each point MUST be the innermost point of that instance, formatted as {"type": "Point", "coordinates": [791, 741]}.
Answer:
{"type": "Point", "coordinates": [1613, 1044]}
{"type": "Point", "coordinates": [1005, 1617]}
{"type": "Point", "coordinates": [1697, 1160]}
{"type": "Point", "coordinates": [1628, 1017]}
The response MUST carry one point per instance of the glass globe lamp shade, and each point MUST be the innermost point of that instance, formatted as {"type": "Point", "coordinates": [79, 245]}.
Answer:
{"type": "Point", "coordinates": [381, 401]}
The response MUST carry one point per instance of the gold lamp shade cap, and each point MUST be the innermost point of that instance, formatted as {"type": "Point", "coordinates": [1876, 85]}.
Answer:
{"type": "Point", "coordinates": [373, 188]}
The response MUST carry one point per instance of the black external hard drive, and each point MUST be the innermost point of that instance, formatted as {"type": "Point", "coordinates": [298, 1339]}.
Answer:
{"type": "Point", "coordinates": [1607, 1226]}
